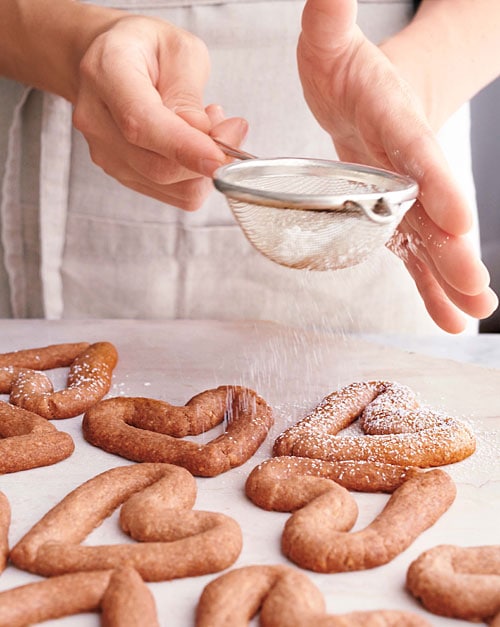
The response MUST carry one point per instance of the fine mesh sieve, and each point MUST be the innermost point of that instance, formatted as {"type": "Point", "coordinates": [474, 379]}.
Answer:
{"type": "Point", "coordinates": [313, 213]}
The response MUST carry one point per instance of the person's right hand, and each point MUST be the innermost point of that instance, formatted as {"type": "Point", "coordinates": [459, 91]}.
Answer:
{"type": "Point", "coordinates": [376, 117]}
{"type": "Point", "coordinates": [139, 105]}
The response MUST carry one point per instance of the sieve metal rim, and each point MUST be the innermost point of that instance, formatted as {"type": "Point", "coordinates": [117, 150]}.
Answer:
{"type": "Point", "coordinates": [227, 180]}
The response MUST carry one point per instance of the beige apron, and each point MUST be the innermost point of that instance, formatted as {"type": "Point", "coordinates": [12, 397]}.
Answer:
{"type": "Point", "coordinates": [76, 244]}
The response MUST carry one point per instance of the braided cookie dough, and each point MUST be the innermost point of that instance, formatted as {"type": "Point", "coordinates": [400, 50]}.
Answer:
{"type": "Point", "coordinates": [4, 530]}
{"type": "Point", "coordinates": [144, 429]}
{"type": "Point", "coordinates": [157, 499]}
{"type": "Point", "coordinates": [396, 430]}
{"type": "Point", "coordinates": [28, 441]}
{"type": "Point", "coordinates": [460, 582]}
{"type": "Point", "coordinates": [285, 597]}
{"type": "Point", "coordinates": [317, 536]}
{"type": "Point", "coordinates": [120, 595]}
{"type": "Point", "coordinates": [89, 379]}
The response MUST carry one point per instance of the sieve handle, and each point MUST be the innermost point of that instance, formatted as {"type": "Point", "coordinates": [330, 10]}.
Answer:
{"type": "Point", "coordinates": [391, 212]}
{"type": "Point", "coordinates": [380, 212]}
{"type": "Point", "coordinates": [233, 152]}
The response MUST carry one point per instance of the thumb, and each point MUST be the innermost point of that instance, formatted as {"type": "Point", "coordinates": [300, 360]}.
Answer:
{"type": "Point", "coordinates": [190, 108]}
{"type": "Point", "coordinates": [328, 25]}
{"type": "Point", "coordinates": [192, 111]}
{"type": "Point", "coordinates": [184, 90]}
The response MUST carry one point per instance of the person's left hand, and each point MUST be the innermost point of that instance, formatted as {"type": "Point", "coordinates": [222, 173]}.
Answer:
{"type": "Point", "coordinates": [373, 117]}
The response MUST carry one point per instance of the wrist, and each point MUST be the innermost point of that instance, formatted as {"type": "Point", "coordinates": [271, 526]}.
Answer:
{"type": "Point", "coordinates": [87, 23]}
{"type": "Point", "coordinates": [44, 41]}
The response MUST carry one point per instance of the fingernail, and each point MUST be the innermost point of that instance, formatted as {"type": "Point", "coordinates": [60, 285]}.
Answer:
{"type": "Point", "coordinates": [244, 127]}
{"type": "Point", "coordinates": [220, 111]}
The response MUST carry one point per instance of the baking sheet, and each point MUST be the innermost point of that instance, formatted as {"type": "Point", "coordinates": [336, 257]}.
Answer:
{"type": "Point", "coordinates": [292, 369]}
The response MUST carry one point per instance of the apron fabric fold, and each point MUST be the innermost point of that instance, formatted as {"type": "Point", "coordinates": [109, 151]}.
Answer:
{"type": "Point", "coordinates": [55, 162]}
{"type": "Point", "coordinates": [11, 214]}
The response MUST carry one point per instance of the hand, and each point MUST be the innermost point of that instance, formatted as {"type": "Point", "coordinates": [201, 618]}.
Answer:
{"type": "Point", "coordinates": [139, 106]}
{"type": "Point", "coordinates": [374, 117]}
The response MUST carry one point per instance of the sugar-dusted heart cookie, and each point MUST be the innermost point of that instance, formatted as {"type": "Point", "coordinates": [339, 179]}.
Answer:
{"type": "Point", "coordinates": [89, 377]}
{"type": "Point", "coordinates": [395, 429]}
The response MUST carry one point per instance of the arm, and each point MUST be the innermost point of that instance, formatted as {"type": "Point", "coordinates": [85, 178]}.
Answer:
{"type": "Point", "coordinates": [136, 85]}
{"type": "Point", "coordinates": [448, 53]}
{"type": "Point", "coordinates": [42, 42]}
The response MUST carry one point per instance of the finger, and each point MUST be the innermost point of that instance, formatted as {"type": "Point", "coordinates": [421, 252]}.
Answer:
{"type": "Point", "coordinates": [133, 166]}
{"type": "Point", "coordinates": [215, 114]}
{"type": "Point", "coordinates": [414, 150]}
{"type": "Point", "coordinates": [438, 191]}
{"type": "Point", "coordinates": [328, 25]}
{"type": "Point", "coordinates": [182, 85]}
{"type": "Point", "coordinates": [138, 111]}
{"type": "Point", "coordinates": [454, 256]}
{"type": "Point", "coordinates": [231, 131]}
{"type": "Point", "coordinates": [110, 151]}
{"type": "Point", "coordinates": [443, 303]}
{"type": "Point", "coordinates": [432, 285]}
{"type": "Point", "coordinates": [445, 315]}
{"type": "Point", "coordinates": [159, 130]}
{"type": "Point", "coordinates": [139, 164]}
{"type": "Point", "coordinates": [186, 195]}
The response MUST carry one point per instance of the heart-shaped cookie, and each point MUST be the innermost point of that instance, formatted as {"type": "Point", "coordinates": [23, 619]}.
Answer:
{"type": "Point", "coordinates": [285, 596]}
{"type": "Point", "coordinates": [89, 378]}
{"type": "Point", "coordinates": [121, 596]}
{"type": "Point", "coordinates": [317, 536]}
{"type": "Point", "coordinates": [28, 441]}
{"type": "Point", "coordinates": [157, 500]}
{"type": "Point", "coordinates": [395, 429]}
{"type": "Point", "coordinates": [288, 483]}
{"type": "Point", "coordinates": [144, 429]}
{"type": "Point", "coordinates": [456, 581]}
{"type": "Point", "coordinates": [45, 357]}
